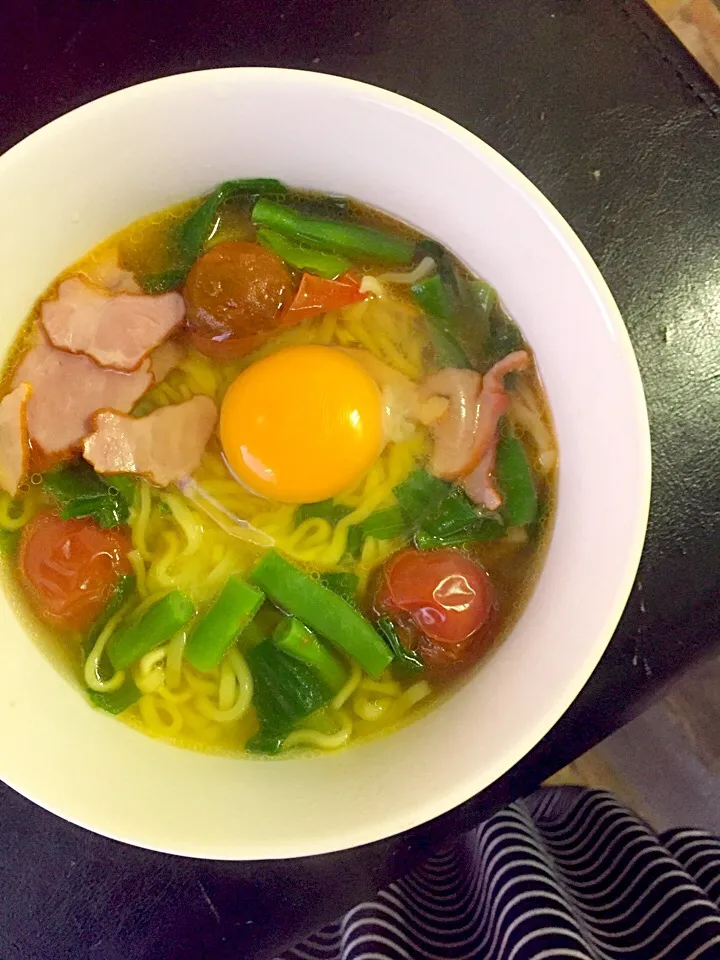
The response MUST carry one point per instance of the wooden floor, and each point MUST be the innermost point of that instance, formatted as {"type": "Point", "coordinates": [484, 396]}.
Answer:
{"type": "Point", "coordinates": [697, 24]}
{"type": "Point", "coordinates": [666, 764]}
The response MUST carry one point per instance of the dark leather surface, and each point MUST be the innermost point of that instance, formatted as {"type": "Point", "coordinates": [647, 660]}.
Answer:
{"type": "Point", "coordinates": [597, 104]}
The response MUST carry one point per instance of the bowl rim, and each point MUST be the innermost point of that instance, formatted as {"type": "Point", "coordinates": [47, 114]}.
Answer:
{"type": "Point", "coordinates": [440, 803]}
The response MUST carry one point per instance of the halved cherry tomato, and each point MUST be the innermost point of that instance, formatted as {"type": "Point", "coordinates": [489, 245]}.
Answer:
{"type": "Point", "coordinates": [447, 594]}
{"type": "Point", "coordinates": [70, 567]}
{"type": "Point", "coordinates": [235, 292]}
{"type": "Point", "coordinates": [317, 295]}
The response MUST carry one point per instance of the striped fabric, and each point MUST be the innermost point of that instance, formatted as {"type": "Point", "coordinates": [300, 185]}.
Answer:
{"type": "Point", "coordinates": [568, 872]}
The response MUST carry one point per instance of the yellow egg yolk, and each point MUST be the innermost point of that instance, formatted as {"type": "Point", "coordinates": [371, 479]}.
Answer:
{"type": "Point", "coordinates": [302, 424]}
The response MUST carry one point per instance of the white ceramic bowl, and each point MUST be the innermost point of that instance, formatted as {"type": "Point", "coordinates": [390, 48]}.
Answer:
{"type": "Point", "coordinates": [91, 172]}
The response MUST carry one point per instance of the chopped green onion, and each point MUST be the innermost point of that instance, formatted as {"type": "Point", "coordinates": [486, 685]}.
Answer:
{"type": "Point", "coordinates": [316, 261]}
{"type": "Point", "coordinates": [157, 625]}
{"type": "Point", "coordinates": [124, 589]}
{"type": "Point", "coordinates": [345, 585]}
{"type": "Point", "coordinates": [406, 662]}
{"type": "Point", "coordinates": [515, 481]}
{"type": "Point", "coordinates": [323, 611]}
{"type": "Point", "coordinates": [295, 639]}
{"type": "Point", "coordinates": [214, 632]}
{"type": "Point", "coordinates": [350, 239]}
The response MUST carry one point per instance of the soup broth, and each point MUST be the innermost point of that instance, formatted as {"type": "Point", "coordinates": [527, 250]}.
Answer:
{"type": "Point", "coordinates": [344, 543]}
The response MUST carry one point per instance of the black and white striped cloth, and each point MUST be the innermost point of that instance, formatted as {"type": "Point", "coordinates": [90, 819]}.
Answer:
{"type": "Point", "coordinates": [567, 872]}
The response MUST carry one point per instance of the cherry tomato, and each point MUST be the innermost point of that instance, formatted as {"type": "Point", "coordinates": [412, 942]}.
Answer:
{"type": "Point", "coordinates": [316, 295]}
{"type": "Point", "coordinates": [70, 567]}
{"type": "Point", "coordinates": [447, 594]}
{"type": "Point", "coordinates": [236, 292]}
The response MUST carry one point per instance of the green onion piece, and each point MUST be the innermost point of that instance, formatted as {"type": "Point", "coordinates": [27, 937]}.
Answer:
{"type": "Point", "coordinates": [157, 625]}
{"type": "Point", "coordinates": [324, 206]}
{"type": "Point", "coordinates": [386, 524]}
{"type": "Point", "coordinates": [125, 485]}
{"type": "Point", "coordinates": [514, 478]}
{"type": "Point", "coordinates": [325, 509]}
{"type": "Point", "coordinates": [196, 229]}
{"type": "Point", "coordinates": [214, 632]}
{"type": "Point", "coordinates": [323, 611]}
{"type": "Point", "coordinates": [285, 690]}
{"type": "Point", "coordinates": [504, 338]}
{"type": "Point", "coordinates": [118, 700]}
{"type": "Point", "coordinates": [297, 641]}
{"type": "Point", "coordinates": [407, 662]}
{"type": "Point", "coordinates": [316, 261]}
{"type": "Point", "coordinates": [124, 589]}
{"type": "Point", "coordinates": [81, 492]}
{"type": "Point", "coordinates": [189, 238]}
{"type": "Point", "coordinates": [448, 351]}
{"type": "Point", "coordinates": [420, 494]}
{"type": "Point", "coordinates": [433, 297]}
{"type": "Point", "coordinates": [350, 239]}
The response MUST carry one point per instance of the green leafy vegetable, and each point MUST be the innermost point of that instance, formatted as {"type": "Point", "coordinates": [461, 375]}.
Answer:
{"type": "Point", "coordinates": [355, 537]}
{"type": "Point", "coordinates": [325, 509]}
{"type": "Point", "coordinates": [515, 481]}
{"type": "Point", "coordinates": [420, 494]}
{"type": "Point", "coordinates": [118, 700]}
{"type": "Point", "coordinates": [407, 662]}
{"type": "Point", "coordinates": [80, 492]}
{"type": "Point", "coordinates": [189, 238]}
{"type": "Point", "coordinates": [350, 239]}
{"type": "Point", "coordinates": [124, 589]}
{"type": "Point", "coordinates": [386, 524]}
{"type": "Point", "coordinates": [285, 690]}
{"type": "Point", "coordinates": [441, 515]}
{"type": "Point", "coordinates": [345, 585]}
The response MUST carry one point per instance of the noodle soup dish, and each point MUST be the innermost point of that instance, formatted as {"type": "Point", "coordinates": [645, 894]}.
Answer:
{"type": "Point", "coordinates": [277, 471]}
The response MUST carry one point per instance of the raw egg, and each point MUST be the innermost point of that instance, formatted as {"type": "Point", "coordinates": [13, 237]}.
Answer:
{"type": "Point", "coordinates": [302, 425]}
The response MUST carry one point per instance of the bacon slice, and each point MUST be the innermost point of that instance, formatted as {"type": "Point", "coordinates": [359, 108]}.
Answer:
{"type": "Point", "coordinates": [466, 435]}
{"type": "Point", "coordinates": [14, 447]}
{"type": "Point", "coordinates": [108, 274]}
{"type": "Point", "coordinates": [164, 446]}
{"type": "Point", "coordinates": [67, 389]}
{"type": "Point", "coordinates": [116, 331]}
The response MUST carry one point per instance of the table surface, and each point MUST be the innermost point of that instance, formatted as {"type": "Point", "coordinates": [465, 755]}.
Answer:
{"type": "Point", "coordinates": [606, 113]}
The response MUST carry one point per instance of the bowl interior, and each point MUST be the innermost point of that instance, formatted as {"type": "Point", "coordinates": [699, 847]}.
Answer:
{"type": "Point", "coordinates": [90, 173]}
